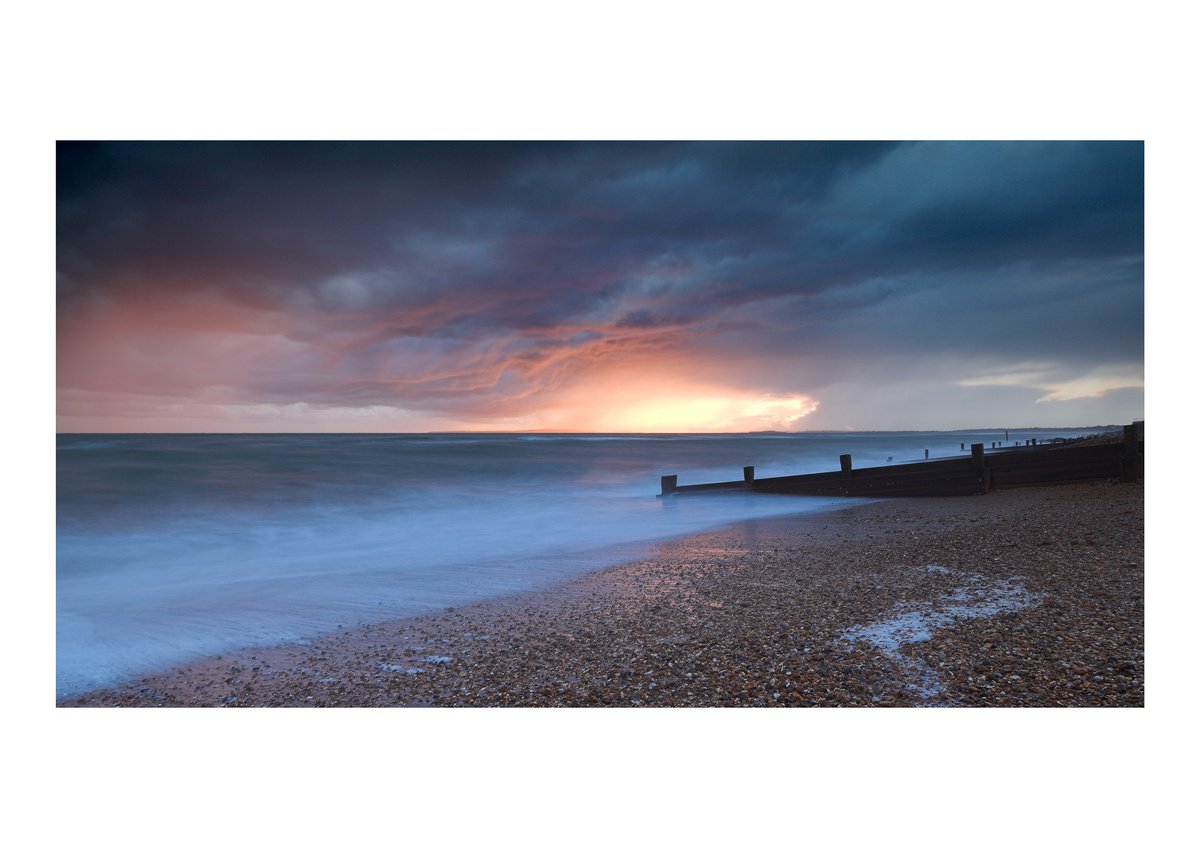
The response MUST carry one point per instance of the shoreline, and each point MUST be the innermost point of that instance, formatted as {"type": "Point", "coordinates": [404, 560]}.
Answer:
{"type": "Point", "coordinates": [1025, 597]}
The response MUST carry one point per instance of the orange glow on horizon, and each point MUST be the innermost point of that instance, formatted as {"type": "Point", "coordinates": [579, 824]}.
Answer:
{"type": "Point", "coordinates": [710, 412]}
{"type": "Point", "coordinates": [656, 405]}
{"type": "Point", "coordinates": [135, 365]}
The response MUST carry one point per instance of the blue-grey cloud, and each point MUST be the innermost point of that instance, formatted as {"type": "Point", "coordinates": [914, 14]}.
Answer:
{"type": "Point", "coordinates": [459, 276]}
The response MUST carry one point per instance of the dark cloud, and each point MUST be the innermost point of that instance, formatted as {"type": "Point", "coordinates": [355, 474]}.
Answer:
{"type": "Point", "coordinates": [443, 275]}
{"type": "Point", "coordinates": [250, 217]}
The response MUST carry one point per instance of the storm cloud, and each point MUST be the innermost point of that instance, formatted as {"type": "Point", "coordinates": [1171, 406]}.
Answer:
{"type": "Point", "coordinates": [345, 286]}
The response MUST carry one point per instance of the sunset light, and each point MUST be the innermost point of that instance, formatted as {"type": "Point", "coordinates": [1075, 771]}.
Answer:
{"type": "Point", "coordinates": [595, 287]}
{"type": "Point", "coordinates": [702, 411]}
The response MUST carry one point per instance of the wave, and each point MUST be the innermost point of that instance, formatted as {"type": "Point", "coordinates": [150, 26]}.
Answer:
{"type": "Point", "coordinates": [173, 547]}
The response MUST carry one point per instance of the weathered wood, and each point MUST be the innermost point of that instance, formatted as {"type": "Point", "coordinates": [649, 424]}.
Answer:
{"type": "Point", "coordinates": [1047, 453]}
{"type": "Point", "coordinates": [735, 486]}
{"type": "Point", "coordinates": [1010, 478]}
{"type": "Point", "coordinates": [933, 478]}
{"type": "Point", "coordinates": [669, 483]}
{"type": "Point", "coordinates": [1050, 462]}
{"type": "Point", "coordinates": [1130, 466]}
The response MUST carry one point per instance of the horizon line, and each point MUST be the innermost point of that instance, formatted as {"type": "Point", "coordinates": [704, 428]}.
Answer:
{"type": "Point", "coordinates": [564, 432]}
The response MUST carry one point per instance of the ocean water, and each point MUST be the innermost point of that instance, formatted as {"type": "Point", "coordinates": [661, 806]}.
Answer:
{"type": "Point", "coordinates": [174, 547]}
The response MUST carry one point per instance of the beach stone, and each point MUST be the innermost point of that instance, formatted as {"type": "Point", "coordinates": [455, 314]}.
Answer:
{"type": "Point", "coordinates": [757, 618]}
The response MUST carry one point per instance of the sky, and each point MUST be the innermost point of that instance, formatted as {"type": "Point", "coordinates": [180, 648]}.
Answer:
{"type": "Point", "coordinates": [606, 287]}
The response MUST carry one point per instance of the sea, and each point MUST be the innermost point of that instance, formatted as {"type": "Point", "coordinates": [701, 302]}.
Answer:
{"type": "Point", "coordinates": [171, 548]}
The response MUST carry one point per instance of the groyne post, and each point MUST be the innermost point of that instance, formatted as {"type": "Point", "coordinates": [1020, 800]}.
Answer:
{"type": "Point", "coordinates": [670, 482]}
{"type": "Point", "coordinates": [844, 459]}
{"type": "Point", "coordinates": [748, 473]}
{"type": "Point", "coordinates": [980, 468]}
{"type": "Point", "coordinates": [1131, 462]}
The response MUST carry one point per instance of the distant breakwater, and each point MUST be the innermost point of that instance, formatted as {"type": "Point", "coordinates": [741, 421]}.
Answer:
{"type": "Point", "coordinates": [1032, 464]}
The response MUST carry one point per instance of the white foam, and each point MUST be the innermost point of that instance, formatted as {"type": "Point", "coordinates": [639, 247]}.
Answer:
{"type": "Point", "coordinates": [977, 597]}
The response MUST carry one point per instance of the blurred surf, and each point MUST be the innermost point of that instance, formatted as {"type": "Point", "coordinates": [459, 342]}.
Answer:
{"type": "Point", "coordinates": [173, 547]}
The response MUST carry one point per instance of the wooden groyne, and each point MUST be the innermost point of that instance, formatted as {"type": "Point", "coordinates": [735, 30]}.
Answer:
{"type": "Point", "coordinates": [1001, 468]}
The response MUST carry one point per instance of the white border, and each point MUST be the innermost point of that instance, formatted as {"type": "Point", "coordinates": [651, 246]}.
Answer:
{"type": "Point", "coordinates": [621, 70]}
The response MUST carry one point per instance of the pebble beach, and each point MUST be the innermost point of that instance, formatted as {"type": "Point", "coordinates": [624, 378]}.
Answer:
{"type": "Point", "coordinates": [1027, 597]}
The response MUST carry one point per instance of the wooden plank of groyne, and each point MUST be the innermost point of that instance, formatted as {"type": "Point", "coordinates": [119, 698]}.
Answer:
{"type": "Point", "coordinates": [734, 486]}
{"type": "Point", "coordinates": [1032, 464]}
{"type": "Point", "coordinates": [954, 476]}
{"type": "Point", "coordinates": [1056, 470]}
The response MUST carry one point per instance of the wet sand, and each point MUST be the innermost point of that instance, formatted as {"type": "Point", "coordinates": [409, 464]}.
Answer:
{"type": "Point", "coordinates": [1030, 597]}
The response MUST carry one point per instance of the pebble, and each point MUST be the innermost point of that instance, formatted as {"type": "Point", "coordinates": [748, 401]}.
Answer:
{"type": "Point", "coordinates": [755, 616]}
